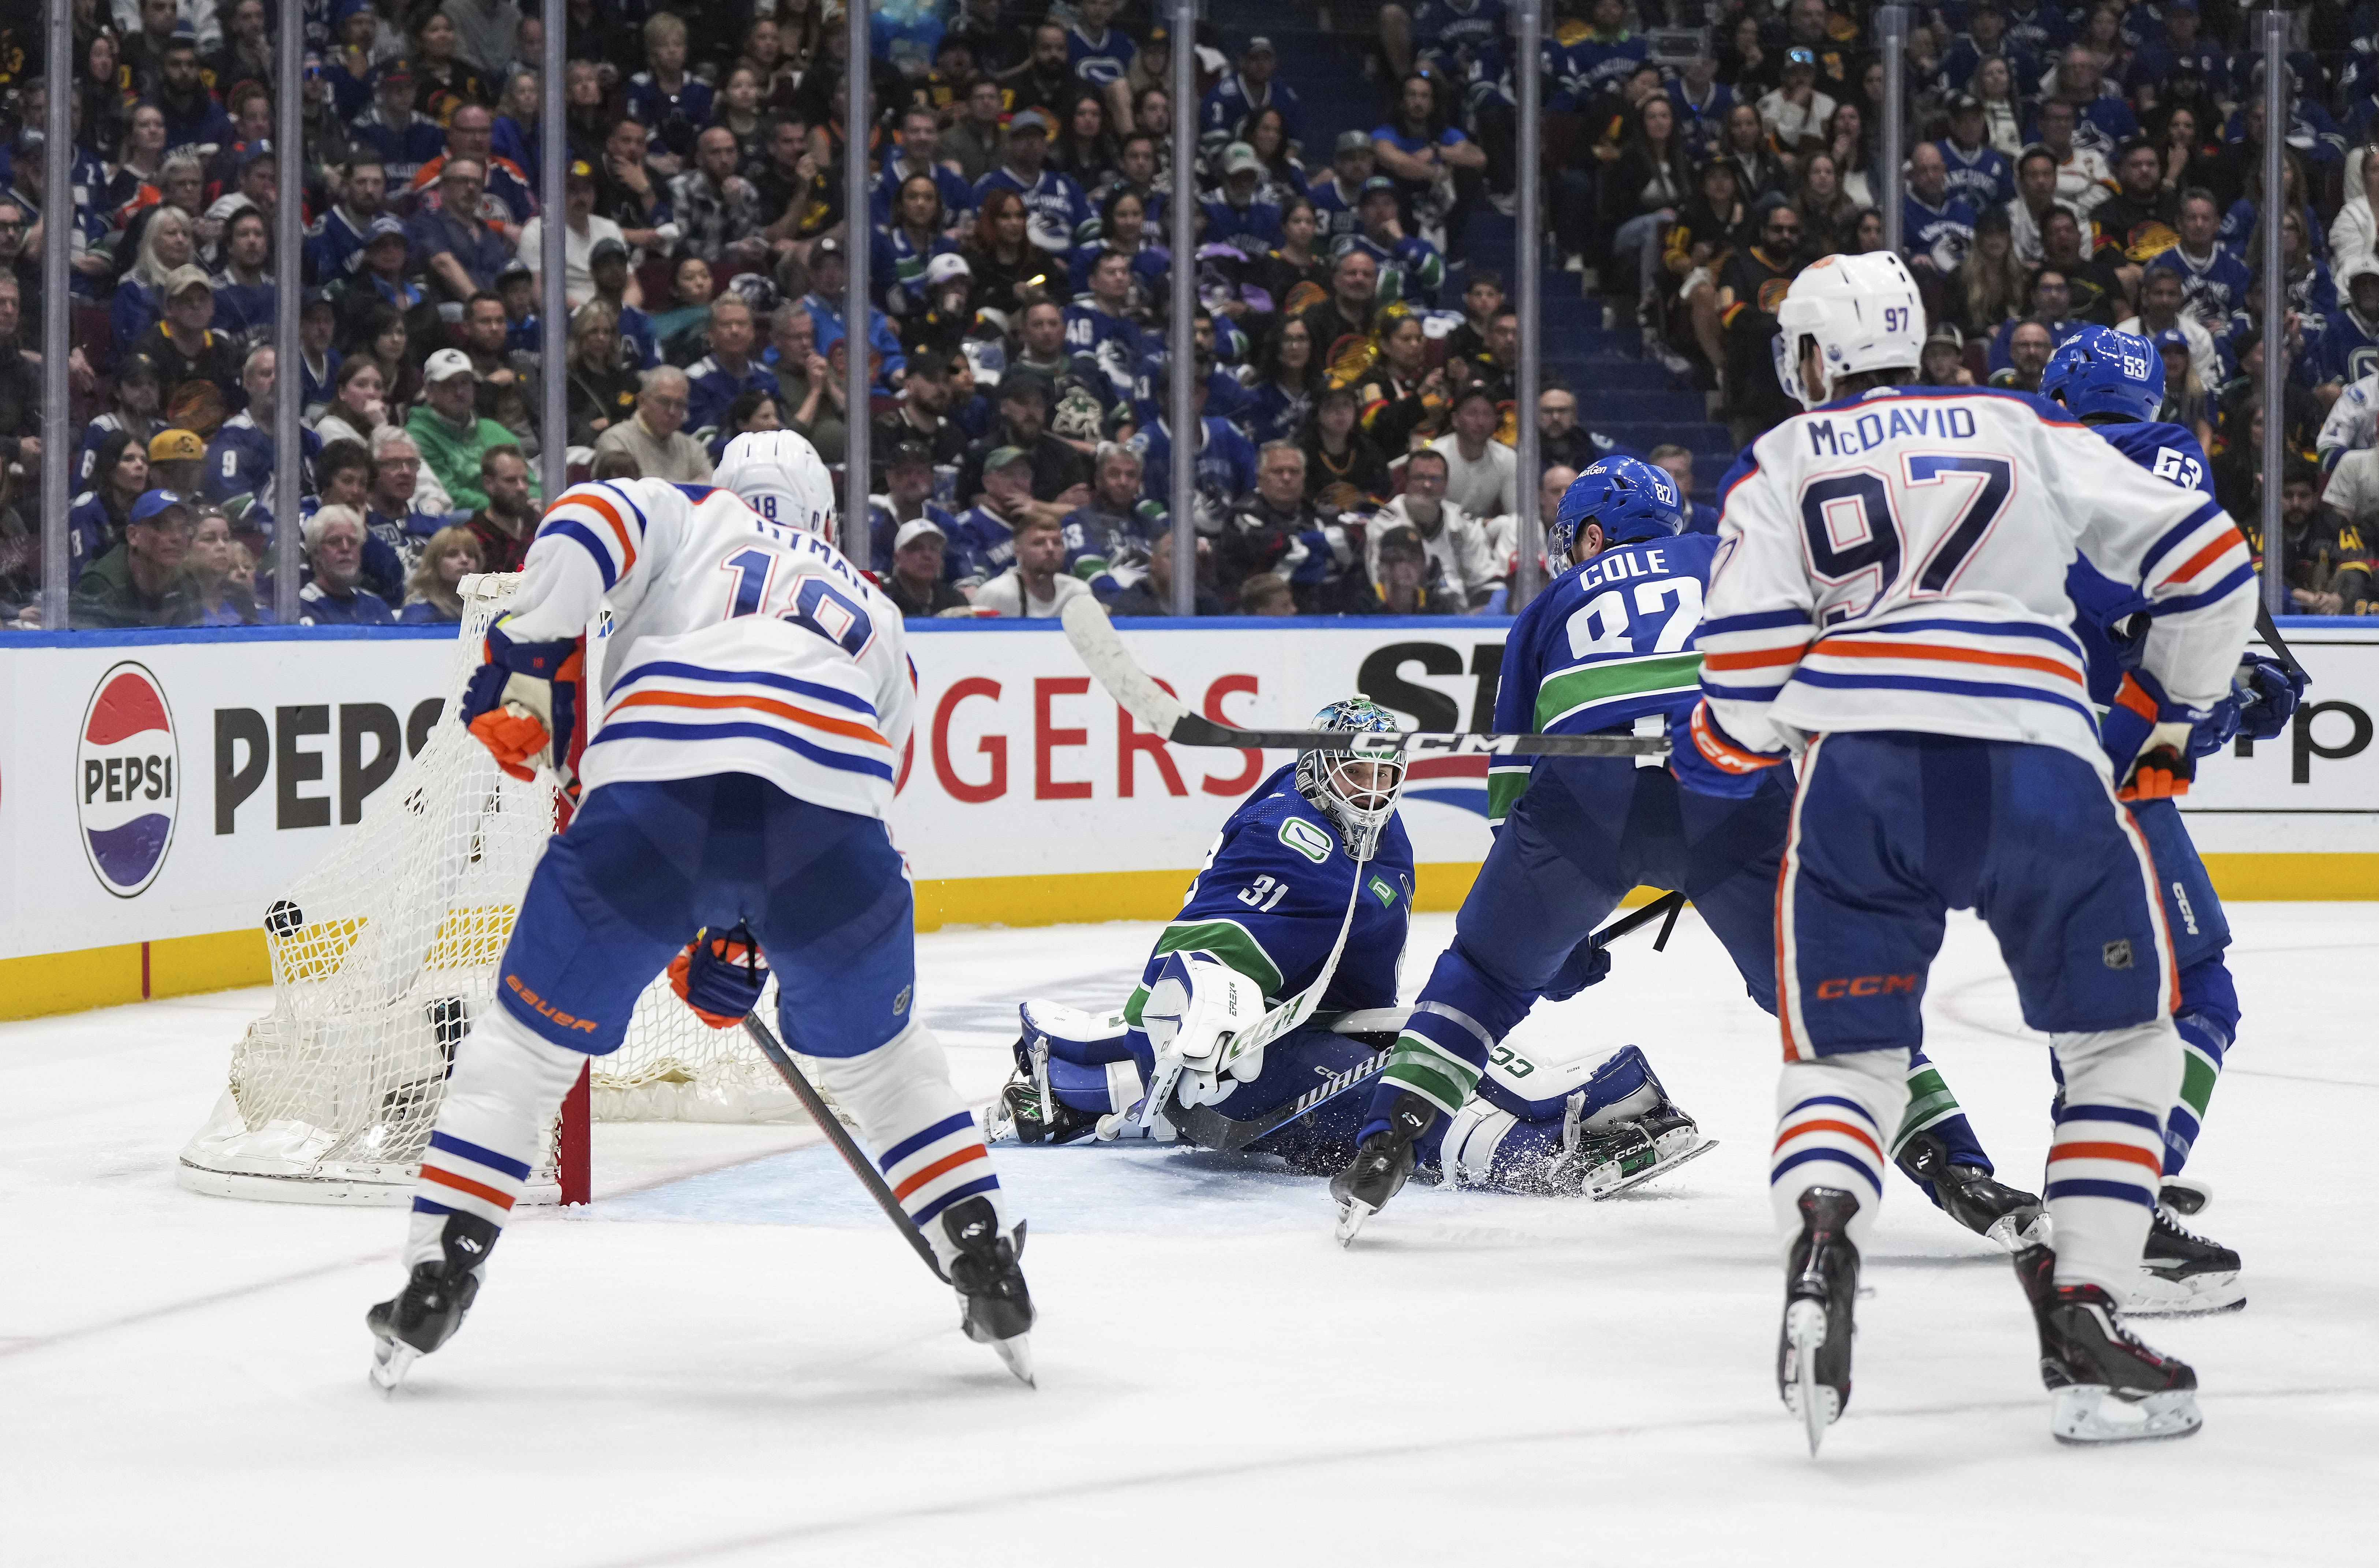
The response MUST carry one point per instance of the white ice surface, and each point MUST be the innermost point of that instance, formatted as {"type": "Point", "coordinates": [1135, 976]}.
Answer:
{"type": "Point", "coordinates": [729, 1359]}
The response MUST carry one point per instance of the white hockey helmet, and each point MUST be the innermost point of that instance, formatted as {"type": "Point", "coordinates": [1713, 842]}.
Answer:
{"type": "Point", "coordinates": [780, 476]}
{"type": "Point", "coordinates": [1864, 313]}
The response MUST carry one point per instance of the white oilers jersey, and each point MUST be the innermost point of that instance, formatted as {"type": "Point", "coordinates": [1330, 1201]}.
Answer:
{"type": "Point", "coordinates": [1898, 560]}
{"type": "Point", "coordinates": [738, 645]}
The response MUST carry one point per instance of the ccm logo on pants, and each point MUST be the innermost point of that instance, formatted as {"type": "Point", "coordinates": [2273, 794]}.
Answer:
{"type": "Point", "coordinates": [1866, 985]}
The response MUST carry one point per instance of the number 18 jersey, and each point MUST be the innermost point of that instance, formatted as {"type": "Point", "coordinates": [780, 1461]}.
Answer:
{"type": "Point", "coordinates": [1898, 559]}
{"type": "Point", "coordinates": [737, 645]}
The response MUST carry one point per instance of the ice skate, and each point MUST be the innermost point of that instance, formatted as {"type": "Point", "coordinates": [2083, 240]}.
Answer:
{"type": "Point", "coordinates": [2108, 1387]}
{"type": "Point", "coordinates": [1813, 1354]}
{"type": "Point", "coordinates": [2182, 1273]}
{"type": "Point", "coordinates": [1380, 1165]}
{"type": "Point", "coordinates": [1625, 1145]}
{"type": "Point", "coordinates": [2006, 1216]}
{"type": "Point", "coordinates": [997, 1310]}
{"type": "Point", "coordinates": [424, 1314]}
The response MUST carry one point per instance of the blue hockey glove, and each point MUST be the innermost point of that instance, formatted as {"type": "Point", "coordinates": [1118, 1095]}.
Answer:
{"type": "Point", "coordinates": [523, 704]}
{"type": "Point", "coordinates": [1706, 760]}
{"type": "Point", "coordinates": [2146, 736]}
{"type": "Point", "coordinates": [2268, 692]}
{"type": "Point", "coordinates": [719, 977]}
{"type": "Point", "coordinates": [1589, 964]}
{"type": "Point", "coordinates": [2216, 729]}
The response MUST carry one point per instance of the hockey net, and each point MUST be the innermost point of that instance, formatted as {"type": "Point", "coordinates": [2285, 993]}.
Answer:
{"type": "Point", "coordinates": [384, 955]}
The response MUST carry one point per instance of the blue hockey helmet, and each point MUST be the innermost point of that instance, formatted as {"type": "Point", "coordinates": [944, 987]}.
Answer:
{"type": "Point", "coordinates": [2102, 371]}
{"type": "Point", "coordinates": [1632, 499]}
{"type": "Point", "coordinates": [1355, 790]}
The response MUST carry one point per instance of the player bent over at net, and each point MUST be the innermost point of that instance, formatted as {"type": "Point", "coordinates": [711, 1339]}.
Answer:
{"type": "Point", "coordinates": [1300, 917]}
{"type": "Point", "coordinates": [757, 704]}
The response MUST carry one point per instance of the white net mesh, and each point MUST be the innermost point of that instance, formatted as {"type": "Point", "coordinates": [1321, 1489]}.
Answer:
{"type": "Point", "coordinates": [386, 951]}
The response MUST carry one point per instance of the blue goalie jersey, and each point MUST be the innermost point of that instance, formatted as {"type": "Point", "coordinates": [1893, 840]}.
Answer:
{"type": "Point", "coordinates": [1271, 894]}
{"type": "Point", "coordinates": [1610, 643]}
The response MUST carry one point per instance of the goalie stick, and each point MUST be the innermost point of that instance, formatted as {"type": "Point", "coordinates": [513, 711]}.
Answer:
{"type": "Point", "coordinates": [1102, 652]}
{"type": "Point", "coordinates": [1209, 1129]}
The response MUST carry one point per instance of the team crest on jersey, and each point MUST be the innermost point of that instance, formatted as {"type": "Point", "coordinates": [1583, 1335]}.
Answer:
{"type": "Point", "coordinates": [125, 764]}
{"type": "Point", "coordinates": [1307, 840]}
{"type": "Point", "coordinates": [1383, 891]}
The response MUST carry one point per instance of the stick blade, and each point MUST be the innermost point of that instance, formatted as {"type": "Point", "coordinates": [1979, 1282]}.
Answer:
{"type": "Point", "coordinates": [1102, 652]}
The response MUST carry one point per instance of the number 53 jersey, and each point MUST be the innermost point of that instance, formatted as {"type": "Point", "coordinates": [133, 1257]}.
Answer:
{"type": "Point", "coordinates": [737, 645]}
{"type": "Point", "coordinates": [1896, 560]}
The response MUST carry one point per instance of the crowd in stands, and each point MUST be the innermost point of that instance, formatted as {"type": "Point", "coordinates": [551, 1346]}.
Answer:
{"type": "Point", "coordinates": [1355, 373]}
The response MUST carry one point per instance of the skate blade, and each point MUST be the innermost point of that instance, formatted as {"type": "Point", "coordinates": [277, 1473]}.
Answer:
{"type": "Point", "coordinates": [1817, 1405]}
{"type": "Point", "coordinates": [392, 1358]}
{"type": "Point", "coordinates": [1016, 1352]}
{"type": "Point", "coordinates": [2196, 1297]}
{"type": "Point", "coordinates": [1660, 1167]}
{"type": "Point", "coordinates": [2086, 1413]}
{"type": "Point", "coordinates": [1352, 1214]}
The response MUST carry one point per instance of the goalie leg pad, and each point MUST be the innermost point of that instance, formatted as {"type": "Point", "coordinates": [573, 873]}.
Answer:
{"type": "Point", "coordinates": [506, 1087]}
{"type": "Point", "coordinates": [1101, 1089]}
{"type": "Point", "coordinates": [1073, 1035]}
{"type": "Point", "coordinates": [927, 1142]}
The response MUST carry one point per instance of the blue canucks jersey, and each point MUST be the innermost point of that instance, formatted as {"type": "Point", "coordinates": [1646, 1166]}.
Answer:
{"type": "Point", "coordinates": [1269, 897]}
{"type": "Point", "coordinates": [1611, 642]}
{"type": "Point", "coordinates": [2100, 605]}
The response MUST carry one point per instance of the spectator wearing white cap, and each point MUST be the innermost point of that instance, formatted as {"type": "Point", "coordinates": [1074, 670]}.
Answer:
{"type": "Point", "coordinates": [1240, 216]}
{"type": "Point", "coordinates": [450, 431]}
{"type": "Point", "coordinates": [916, 582]}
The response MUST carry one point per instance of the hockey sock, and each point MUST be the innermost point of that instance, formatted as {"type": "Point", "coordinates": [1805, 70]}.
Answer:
{"type": "Point", "coordinates": [1462, 1013]}
{"type": "Point", "coordinates": [1933, 1108]}
{"type": "Point", "coordinates": [927, 1142]}
{"type": "Point", "coordinates": [506, 1086]}
{"type": "Point", "coordinates": [2208, 1021]}
{"type": "Point", "coordinates": [2108, 1158]}
{"type": "Point", "coordinates": [1830, 1119]}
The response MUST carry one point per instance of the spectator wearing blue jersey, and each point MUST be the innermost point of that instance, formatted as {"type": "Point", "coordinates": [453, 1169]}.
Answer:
{"type": "Point", "coordinates": [1237, 215]}
{"type": "Point", "coordinates": [1335, 191]}
{"type": "Point", "coordinates": [334, 594]}
{"type": "Point", "coordinates": [193, 119]}
{"type": "Point", "coordinates": [1226, 115]}
{"type": "Point", "coordinates": [433, 592]}
{"type": "Point", "coordinates": [2039, 28]}
{"type": "Point", "coordinates": [2349, 349]}
{"type": "Point", "coordinates": [985, 539]}
{"type": "Point", "coordinates": [907, 468]}
{"type": "Point", "coordinates": [664, 97]}
{"type": "Point", "coordinates": [1054, 207]}
{"type": "Point", "coordinates": [96, 521]}
{"type": "Point", "coordinates": [1100, 55]}
{"type": "Point", "coordinates": [2174, 47]}
{"type": "Point", "coordinates": [2215, 280]}
{"type": "Point", "coordinates": [1438, 168]}
{"type": "Point", "coordinates": [1099, 326]}
{"type": "Point", "coordinates": [919, 154]}
{"type": "Point", "coordinates": [401, 138]}
{"type": "Point", "coordinates": [337, 238]}
{"type": "Point", "coordinates": [731, 368]}
{"type": "Point", "coordinates": [240, 458]}
{"type": "Point", "coordinates": [133, 413]}
{"type": "Point", "coordinates": [1410, 268]}
{"type": "Point", "coordinates": [825, 305]}
{"type": "Point", "coordinates": [2103, 121]}
{"type": "Point", "coordinates": [1985, 39]}
{"type": "Point", "coordinates": [1979, 174]}
{"type": "Point", "coordinates": [459, 251]}
{"type": "Point", "coordinates": [1107, 538]}
{"type": "Point", "coordinates": [244, 290]}
{"type": "Point", "coordinates": [1225, 460]}
{"type": "Point", "coordinates": [1937, 227]}
{"type": "Point", "coordinates": [902, 249]}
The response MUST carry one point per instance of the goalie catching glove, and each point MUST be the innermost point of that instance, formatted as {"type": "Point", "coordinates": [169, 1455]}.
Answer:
{"type": "Point", "coordinates": [523, 705]}
{"type": "Point", "coordinates": [719, 977]}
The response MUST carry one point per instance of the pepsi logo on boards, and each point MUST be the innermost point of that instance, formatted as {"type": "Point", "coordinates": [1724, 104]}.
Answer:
{"type": "Point", "coordinates": [126, 787]}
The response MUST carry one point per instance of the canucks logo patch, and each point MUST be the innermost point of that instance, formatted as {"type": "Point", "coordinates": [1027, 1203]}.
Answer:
{"type": "Point", "coordinates": [1381, 890]}
{"type": "Point", "coordinates": [1307, 840]}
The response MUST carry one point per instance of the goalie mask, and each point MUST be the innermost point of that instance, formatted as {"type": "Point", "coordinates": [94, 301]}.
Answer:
{"type": "Point", "coordinates": [780, 475]}
{"type": "Point", "coordinates": [1356, 792]}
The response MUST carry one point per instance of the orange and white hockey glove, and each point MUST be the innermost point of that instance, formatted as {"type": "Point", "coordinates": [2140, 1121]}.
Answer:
{"type": "Point", "coordinates": [2146, 738]}
{"type": "Point", "coordinates": [523, 704]}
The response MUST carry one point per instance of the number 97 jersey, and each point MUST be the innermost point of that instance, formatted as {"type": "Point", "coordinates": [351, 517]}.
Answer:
{"type": "Point", "coordinates": [737, 645]}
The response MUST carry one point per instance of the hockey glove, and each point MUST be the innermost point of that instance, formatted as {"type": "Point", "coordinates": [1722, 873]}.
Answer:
{"type": "Point", "coordinates": [523, 705]}
{"type": "Point", "coordinates": [1589, 964]}
{"type": "Point", "coordinates": [2268, 692]}
{"type": "Point", "coordinates": [1709, 761]}
{"type": "Point", "coordinates": [2146, 738]}
{"type": "Point", "coordinates": [719, 977]}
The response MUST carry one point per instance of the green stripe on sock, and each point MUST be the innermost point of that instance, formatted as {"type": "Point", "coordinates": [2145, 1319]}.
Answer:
{"type": "Point", "coordinates": [1437, 1078]}
{"type": "Point", "coordinates": [1929, 1103]}
{"type": "Point", "coordinates": [2197, 1075]}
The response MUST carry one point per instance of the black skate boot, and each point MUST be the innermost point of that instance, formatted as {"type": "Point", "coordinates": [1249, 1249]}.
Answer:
{"type": "Point", "coordinates": [1970, 1194]}
{"type": "Point", "coordinates": [1812, 1355]}
{"type": "Point", "coordinates": [424, 1314]}
{"type": "Point", "coordinates": [995, 1308]}
{"type": "Point", "coordinates": [2180, 1271]}
{"type": "Point", "coordinates": [1381, 1165]}
{"type": "Point", "coordinates": [2108, 1386]}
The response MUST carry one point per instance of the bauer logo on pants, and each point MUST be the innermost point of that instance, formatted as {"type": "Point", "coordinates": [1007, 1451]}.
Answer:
{"type": "Point", "coordinates": [127, 791]}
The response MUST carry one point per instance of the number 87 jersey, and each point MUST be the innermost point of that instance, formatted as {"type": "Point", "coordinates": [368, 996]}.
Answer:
{"type": "Point", "coordinates": [737, 645]}
{"type": "Point", "coordinates": [1896, 560]}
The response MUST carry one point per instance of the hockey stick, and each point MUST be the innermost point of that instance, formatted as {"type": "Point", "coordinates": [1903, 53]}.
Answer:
{"type": "Point", "coordinates": [2271, 634]}
{"type": "Point", "coordinates": [1102, 652]}
{"type": "Point", "coordinates": [1209, 1129]}
{"type": "Point", "coordinates": [844, 1144]}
